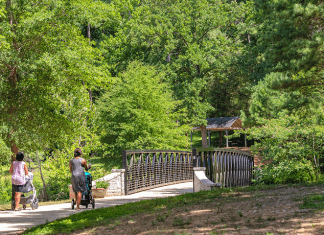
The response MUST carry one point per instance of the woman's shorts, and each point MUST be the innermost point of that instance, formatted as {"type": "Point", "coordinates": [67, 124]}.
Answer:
{"type": "Point", "coordinates": [17, 188]}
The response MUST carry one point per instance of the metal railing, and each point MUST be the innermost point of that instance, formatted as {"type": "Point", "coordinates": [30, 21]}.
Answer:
{"type": "Point", "coordinates": [146, 169]}
{"type": "Point", "coordinates": [232, 168]}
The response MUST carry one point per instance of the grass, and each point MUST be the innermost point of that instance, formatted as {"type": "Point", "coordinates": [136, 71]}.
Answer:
{"type": "Point", "coordinates": [106, 216]}
{"type": "Point", "coordinates": [313, 202]}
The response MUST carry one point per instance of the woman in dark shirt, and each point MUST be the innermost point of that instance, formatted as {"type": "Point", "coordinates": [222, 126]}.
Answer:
{"type": "Point", "coordinates": [78, 178]}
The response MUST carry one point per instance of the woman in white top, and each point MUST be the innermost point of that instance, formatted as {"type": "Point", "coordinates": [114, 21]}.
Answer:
{"type": "Point", "coordinates": [18, 170]}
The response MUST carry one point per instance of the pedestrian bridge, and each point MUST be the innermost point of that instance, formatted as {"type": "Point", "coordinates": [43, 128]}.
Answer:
{"type": "Point", "coordinates": [148, 174]}
{"type": "Point", "coordinates": [207, 168]}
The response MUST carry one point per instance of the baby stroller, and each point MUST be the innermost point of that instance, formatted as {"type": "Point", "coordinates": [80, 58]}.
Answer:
{"type": "Point", "coordinates": [86, 196]}
{"type": "Point", "coordinates": [28, 195]}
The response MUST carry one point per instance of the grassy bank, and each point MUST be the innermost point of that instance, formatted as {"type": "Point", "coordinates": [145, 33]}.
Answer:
{"type": "Point", "coordinates": [179, 213]}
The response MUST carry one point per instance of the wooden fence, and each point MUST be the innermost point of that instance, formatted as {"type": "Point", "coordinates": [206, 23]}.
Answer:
{"type": "Point", "coordinates": [232, 168]}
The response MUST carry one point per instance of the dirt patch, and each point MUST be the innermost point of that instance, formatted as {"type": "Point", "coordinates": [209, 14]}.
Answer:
{"type": "Point", "coordinates": [273, 211]}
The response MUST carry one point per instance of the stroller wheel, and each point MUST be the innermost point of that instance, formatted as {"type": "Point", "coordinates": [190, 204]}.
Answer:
{"type": "Point", "coordinates": [13, 205]}
{"type": "Point", "coordinates": [93, 203]}
{"type": "Point", "coordinates": [72, 204]}
{"type": "Point", "coordinates": [24, 207]}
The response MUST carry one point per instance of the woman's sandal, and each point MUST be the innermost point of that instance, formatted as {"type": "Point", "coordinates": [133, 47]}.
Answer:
{"type": "Point", "coordinates": [17, 209]}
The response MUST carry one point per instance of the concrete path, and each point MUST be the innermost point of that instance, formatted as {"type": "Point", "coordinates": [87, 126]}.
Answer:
{"type": "Point", "coordinates": [14, 222]}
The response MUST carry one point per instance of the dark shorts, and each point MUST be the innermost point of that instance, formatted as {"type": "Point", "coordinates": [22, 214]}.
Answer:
{"type": "Point", "coordinates": [17, 188]}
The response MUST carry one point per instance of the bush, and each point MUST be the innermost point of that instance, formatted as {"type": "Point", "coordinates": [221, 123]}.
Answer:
{"type": "Point", "coordinates": [5, 186]}
{"type": "Point", "coordinates": [287, 171]}
{"type": "Point", "coordinates": [102, 184]}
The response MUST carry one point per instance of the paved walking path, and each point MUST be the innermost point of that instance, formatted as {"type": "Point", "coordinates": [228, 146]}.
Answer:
{"type": "Point", "coordinates": [13, 222]}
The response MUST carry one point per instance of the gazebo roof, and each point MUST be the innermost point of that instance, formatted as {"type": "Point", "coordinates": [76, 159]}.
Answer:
{"type": "Point", "coordinates": [222, 123]}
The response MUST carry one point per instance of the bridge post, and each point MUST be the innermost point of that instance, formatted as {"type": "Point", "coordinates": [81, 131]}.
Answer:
{"type": "Point", "coordinates": [194, 158]}
{"type": "Point", "coordinates": [194, 164]}
{"type": "Point", "coordinates": [124, 165]}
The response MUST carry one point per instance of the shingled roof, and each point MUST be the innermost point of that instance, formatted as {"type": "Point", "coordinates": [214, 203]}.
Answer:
{"type": "Point", "coordinates": [222, 123]}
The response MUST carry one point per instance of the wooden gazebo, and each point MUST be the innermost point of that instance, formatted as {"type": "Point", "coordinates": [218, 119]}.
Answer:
{"type": "Point", "coordinates": [219, 124]}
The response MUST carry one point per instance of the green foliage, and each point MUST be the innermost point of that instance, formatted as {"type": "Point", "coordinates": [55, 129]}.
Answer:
{"type": "Point", "coordinates": [45, 73]}
{"type": "Point", "coordinates": [189, 42]}
{"type": "Point", "coordinates": [293, 39]}
{"type": "Point", "coordinates": [288, 171]}
{"type": "Point", "coordinates": [5, 153]}
{"type": "Point", "coordinates": [102, 184]}
{"type": "Point", "coordinates": [139, 113]}
{"type": "Point", "coordinates": [58, 176]}
{"type": "Point", "coordinates": [286, 106]}
{"type": "Point", "coordinates": [289, 130]}
{"type": "Point", "coordinates": [5, 185]}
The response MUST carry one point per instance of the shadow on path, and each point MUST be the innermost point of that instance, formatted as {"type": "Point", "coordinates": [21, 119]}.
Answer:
{"type": "Point", "coordinates": [14, 222]}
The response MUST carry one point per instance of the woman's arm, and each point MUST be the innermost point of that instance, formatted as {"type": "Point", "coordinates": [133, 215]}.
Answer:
{"type": "Point", "coordinates": [26, 169]}
{"type": "Point", "coordinates": [11, 169]}
{"type": "Point", "coordinates": [84, 164]}
{"type": "Point", "coordinates": [70, 167]}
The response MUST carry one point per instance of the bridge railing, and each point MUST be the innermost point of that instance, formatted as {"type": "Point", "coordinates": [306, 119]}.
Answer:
{"type": "Point", "coordinates": [230, 167]}
{"type": "Point", "coordinates": [146, 169]}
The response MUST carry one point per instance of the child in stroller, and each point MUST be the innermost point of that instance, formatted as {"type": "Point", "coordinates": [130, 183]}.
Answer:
{"type": "Point", "coordinates": [86, 196]}
{"type": "Point", "coordinates": [28, 195]}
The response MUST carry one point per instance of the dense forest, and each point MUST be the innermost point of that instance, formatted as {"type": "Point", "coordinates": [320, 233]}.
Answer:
{"type": "Point", "coordinates": [139, 74]}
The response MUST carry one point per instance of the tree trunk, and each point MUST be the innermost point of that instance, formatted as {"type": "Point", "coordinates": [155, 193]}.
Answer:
{"type": "Point", "coordinates": [14, 150]}
{"type": "Point", "coordinates": [203, 136]}
{"type": "Point", "coordinates": [89, 32]}
{"type": "Point", "coordinates": [45, 196]}
{"type": "Point", "coordinates": [13, 81]}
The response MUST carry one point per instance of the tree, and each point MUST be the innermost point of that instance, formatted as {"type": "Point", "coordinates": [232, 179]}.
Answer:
{"type": "Point", "coordinates": [188, 41]}
{"type": "Point", "coordinates": [181, 38]}
{"type": "Point", "coordinates": [292, 35]}
{"type": "Point", "coordinates": [286, 108]}
{"type": "Point", "coordinates": [44, 72]}
{"type": "Point", "coordinates": [139, 113]}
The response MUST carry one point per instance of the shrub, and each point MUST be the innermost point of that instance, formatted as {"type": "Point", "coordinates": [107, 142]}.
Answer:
{"type": "Point", "coordinates": [5, 189]}
{"type": "Point", "coordinates": [287, 171]}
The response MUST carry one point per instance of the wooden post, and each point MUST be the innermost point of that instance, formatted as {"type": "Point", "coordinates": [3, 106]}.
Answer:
{"type": "Point", "coordinates": [226, 139]}
{"type": "Point", "coordinates": [221, 139]}
{"type": "Point", "coordinates": [203, 136]}
{"type": "Point", "coordinates": [209, 138]}
{"type": "Point", "coordinates": [245, 141]}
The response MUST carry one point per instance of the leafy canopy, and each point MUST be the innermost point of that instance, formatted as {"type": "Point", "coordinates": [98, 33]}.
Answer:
{"type": "Point", "coordinates": [183, 39]}
{"type": "Point", "coordinates": [45, 72]}
{"type": "Point", "coordinates": [139, 112]}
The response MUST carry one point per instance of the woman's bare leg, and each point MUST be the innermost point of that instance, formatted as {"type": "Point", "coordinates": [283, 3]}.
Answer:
{"type": "Point", "coordinates": [17, 199]}
{"type": "Point", "coordinates": [78, 200]}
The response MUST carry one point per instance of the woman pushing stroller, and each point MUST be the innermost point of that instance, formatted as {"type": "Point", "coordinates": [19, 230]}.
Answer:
{"type": "Point", "coordinates": [18, 170]}
{"type": "Point", "coordinates": [78, 177]}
